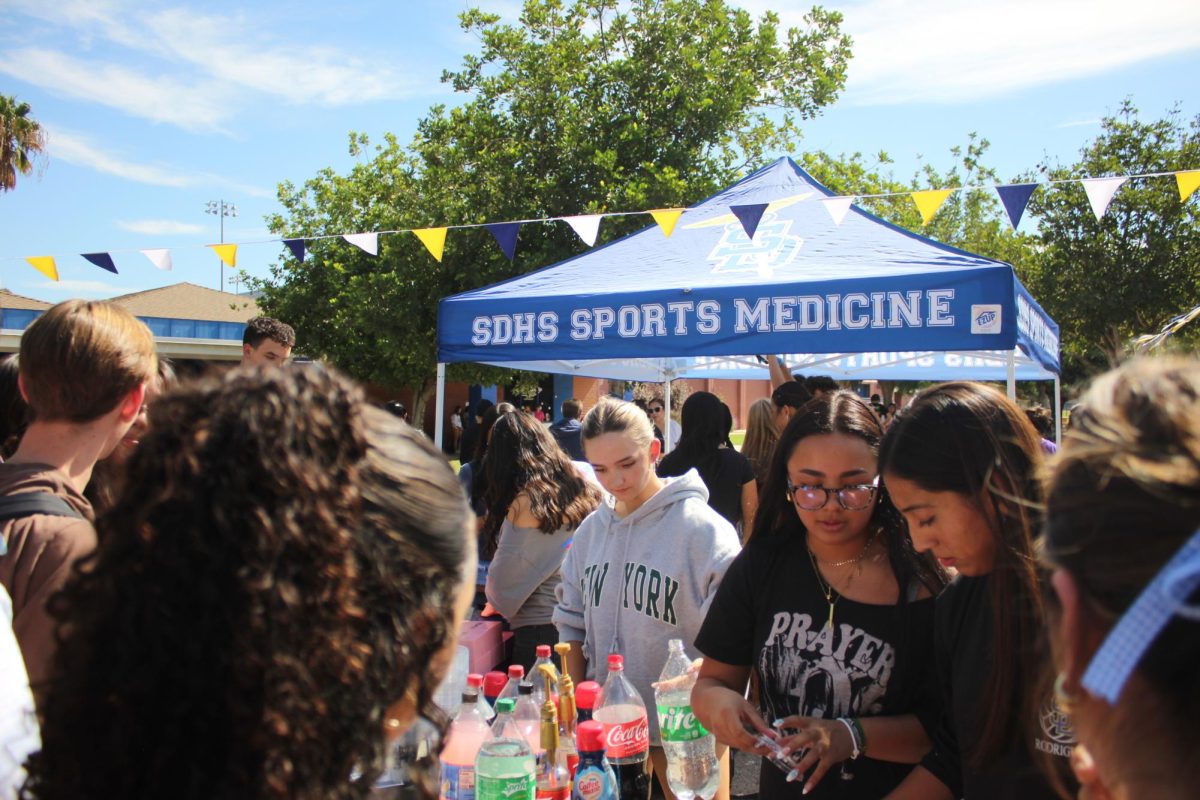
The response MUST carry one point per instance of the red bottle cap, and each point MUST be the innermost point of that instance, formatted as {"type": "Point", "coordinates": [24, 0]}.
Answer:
{"type": "Point", "coordinates": [543, 651]}
{"type": "Point", "coordinates": [516, 671]}
{"type": "Point", "coordinates": [589, 736]}
{"type": "Point", "coordinates": [586, 694]}
{"type": "Point", "coordinates": [616, 663]}
{"type": "Point", "coordinates": [493, 683]}
{"type": "Point", "coordinates": [475, 679]}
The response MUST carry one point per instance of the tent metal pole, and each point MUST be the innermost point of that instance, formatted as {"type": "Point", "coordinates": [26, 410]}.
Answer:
{"type": "Point", "coordinates": [1012, 376]}
{"type": "Point", "coordinates": [1058, 409]}
{"type": "Point", "coordinates": [667, 416]}
{"type": "Point", "coordinates": [439, 410]}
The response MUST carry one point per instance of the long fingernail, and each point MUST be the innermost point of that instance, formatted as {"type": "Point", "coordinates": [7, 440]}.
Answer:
{"type": "Point", "coordinates": [791, 776]}
{"type": "Point", "coordinates": [807, 789]}
{"type": "Point", "coordinates": [784, 752]}
{"type": "Point", "coordinates": [777, 723]}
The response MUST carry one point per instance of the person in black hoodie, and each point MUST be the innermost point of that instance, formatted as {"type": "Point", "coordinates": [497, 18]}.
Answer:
{"type": "Point", "coordinates": [961, 464]}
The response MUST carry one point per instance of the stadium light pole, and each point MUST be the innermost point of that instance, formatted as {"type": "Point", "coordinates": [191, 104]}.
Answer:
{"type": "Point", "coordinates": [221, 210]}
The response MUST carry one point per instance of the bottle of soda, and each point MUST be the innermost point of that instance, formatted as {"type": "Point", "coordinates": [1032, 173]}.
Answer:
{"type": "Point", "coordinates": [467, 734]}
{"type": "Point", "coordinates": [553, 776]}
{"type": "Point", "coordinates": [595, 779]}
{"type": "Point", "coordinates": [475, 681]}
{"type": "Point", "coordinates": [505, 767]}
{"type": "Point", "coordinates": [493, 684]}
{"type": "Point", "coordinates": [528, 716]}
{"type": "Point", "coordinates": [626, 731]}
{"type": "Point", "coordinates": [516, 673]}
{"type": "Point", "coordinates": [566, 710]}
{"type": "Point", "coordinates": [692, 768]}
{"type": "Point", "coordinates": [586, 695]}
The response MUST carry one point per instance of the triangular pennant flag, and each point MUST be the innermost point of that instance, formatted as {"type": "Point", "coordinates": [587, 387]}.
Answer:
{"type": "Point", "coordinates": [586, 226]}
{"type": "Point", "coordinates": [159, 258]}
{"type": "Point", "coordinates": [367, 242]}
{"type": "Point", "coordinates": [666, 219]}
{"type": "Point", "coordinates": [1188, 182]}
{"type": "Point", "coordinates": [929, 201]}
{"type": "Point", "coordinates": [506, 236]}
{"type": "Point", "coordinates": [838, 207]}
{"type": "Point", "coordinates": [749, 216]}
{"type": "Point", "coordinates": [227, 253]}
{"type": "Point", "coordinates": [1015, 197]}
{"type": "Point", "coordinates": [101, 260]}
{"type": "Point", "coordinates": [434, 240]}
{"type": "Point", "coordinates": [1100, 192]}
{"type": "Point", "coordinates": [45, 265]}
{"type": "Point", "coordinates": [297, 248]}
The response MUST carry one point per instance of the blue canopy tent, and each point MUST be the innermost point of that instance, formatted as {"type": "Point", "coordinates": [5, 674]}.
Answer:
{"type": "Point", "coordinates": [863, 299]}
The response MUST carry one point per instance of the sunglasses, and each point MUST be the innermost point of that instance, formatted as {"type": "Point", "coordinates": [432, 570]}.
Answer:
{"type": "Point", "coordinates": [656, 409]}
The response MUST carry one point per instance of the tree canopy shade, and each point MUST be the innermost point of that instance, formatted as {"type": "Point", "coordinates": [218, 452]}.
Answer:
{"type": "Point", "coordinates": [21, 141]}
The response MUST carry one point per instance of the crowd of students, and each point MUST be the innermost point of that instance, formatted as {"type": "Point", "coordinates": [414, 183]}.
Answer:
{"type": "Point", "coordinates": [249, 583]}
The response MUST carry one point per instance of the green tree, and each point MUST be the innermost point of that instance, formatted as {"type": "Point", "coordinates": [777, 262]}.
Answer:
{"type": "Point", "coordinates": [22, 140]}
{"type": "Point", "coordinates": [590, 106]}
{"type": "Point", "coordinates": [1106, 281]}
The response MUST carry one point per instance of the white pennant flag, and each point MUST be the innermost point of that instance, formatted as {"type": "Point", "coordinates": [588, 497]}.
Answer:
{"type": "Point", "coordinates": [838, 207]}
{"type": "Point", "coordinates": [587, 226]}
{"type": "Point", "coordinates": [367, 242]}
{"type": "Point", "coordinates": [159, 258]}
{"type": "Point", "coordinates": [1100, 192]}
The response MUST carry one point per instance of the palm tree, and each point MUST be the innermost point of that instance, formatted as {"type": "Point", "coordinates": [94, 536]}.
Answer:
{"type": "Point", "coordinates": [21, 140]}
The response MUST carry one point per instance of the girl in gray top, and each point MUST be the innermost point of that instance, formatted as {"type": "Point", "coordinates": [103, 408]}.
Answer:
{"type": "Point", "coordinates": [535, 500]}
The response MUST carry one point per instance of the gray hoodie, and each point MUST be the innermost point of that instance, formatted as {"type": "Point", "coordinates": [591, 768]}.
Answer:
{"type": "Point", "coordinates": [630, 585]}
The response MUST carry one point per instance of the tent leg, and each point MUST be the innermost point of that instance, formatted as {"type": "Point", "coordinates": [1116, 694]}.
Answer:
{"type": "Point", "coordinates": [1012, 376]}
{"type": "Point", "coordinates": [439, 409]}
{"type": "Point", "coordinates": [1057, 409]}
{"type": "Point", "coordinates": [667, 417]}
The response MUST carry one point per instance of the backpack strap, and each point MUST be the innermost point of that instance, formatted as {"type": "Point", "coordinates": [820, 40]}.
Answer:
{"type": "Point", "coordinates": [26, 504]}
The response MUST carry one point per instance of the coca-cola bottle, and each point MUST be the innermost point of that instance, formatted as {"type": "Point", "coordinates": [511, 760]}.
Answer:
{"type": "Point", "coordinates": [622, 712]}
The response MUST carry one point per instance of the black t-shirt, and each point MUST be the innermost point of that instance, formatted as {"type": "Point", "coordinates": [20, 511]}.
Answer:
{"type": "Point", "coordinates": [963, 646]}
{"type": "Point", "coordinates": [724, 476]}
{"type": "Point", "coordinates": [876, 660]}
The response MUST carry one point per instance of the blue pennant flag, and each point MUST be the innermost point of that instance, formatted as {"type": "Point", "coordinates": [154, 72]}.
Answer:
{"type": "Point", "coordinates": [1015, 197]}
{"type": "Point", "coordinates": [297, 248]}
{"type": "Point", "coordinates": [749, 216]}
{"type": "Point", "coordinates": [506, 236]}
{"type": "Point", "coordinates": [101, 260]}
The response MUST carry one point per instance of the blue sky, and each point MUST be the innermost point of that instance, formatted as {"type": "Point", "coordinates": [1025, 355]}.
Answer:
{"type": "Point", "coordinates": [154, 109]}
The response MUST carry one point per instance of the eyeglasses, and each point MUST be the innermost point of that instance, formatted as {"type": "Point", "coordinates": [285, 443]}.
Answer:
{"type": "Point", "coordinates": [854, 497]}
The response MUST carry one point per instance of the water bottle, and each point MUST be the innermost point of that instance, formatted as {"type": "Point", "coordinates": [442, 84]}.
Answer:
{"type": "Point", "coordinates": [543, 657]}
{"type": "Point", "coordinates": [515, 674]}
{"type": "Point", "coordinates": [595, 779]}
{"type": "Point", "coordinates": [505, 768]}
{"type": "Point", "coordinates": [692, 768]}
{"type": "Point", "coordinates": [626, 731]}
{"type": "Point", "coordinates": [528, 716]}
{"type": "Point", "coordinates": [475, 681]}
{"type": "Point", "coordinates": [467, 734]}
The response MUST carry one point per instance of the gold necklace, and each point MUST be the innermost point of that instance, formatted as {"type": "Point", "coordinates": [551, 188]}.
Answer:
{"type": "Point", "coordinates": [832, 596]}
{"type": "Point", "coordinates": [861, 553]}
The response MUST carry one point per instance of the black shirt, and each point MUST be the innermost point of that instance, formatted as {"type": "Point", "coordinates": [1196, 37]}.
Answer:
{"type": "Point", "coordinates": [963, 646]}
{"type": "Point", "coordinates": [724, 476]}
{"type": "Point", "coordinates": [770, 614]}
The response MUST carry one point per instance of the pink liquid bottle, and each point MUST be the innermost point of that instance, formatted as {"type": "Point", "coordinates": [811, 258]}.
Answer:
{"type": "Point", "coordinates": [466, 735]}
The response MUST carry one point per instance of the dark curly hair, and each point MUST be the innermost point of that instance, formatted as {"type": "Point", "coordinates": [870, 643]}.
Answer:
{"type": "Point", "coordinates": [259, 329]}
{"type": "Point", "coordinates": [524, 457]}
{"type": "Point", "coordinates": [281, 568]}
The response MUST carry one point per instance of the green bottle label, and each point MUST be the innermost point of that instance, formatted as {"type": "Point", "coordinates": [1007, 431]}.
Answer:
{"type": "Point", "coordinates": [511, 788]}
{"type": "Point", "coordinates": [679, 724]}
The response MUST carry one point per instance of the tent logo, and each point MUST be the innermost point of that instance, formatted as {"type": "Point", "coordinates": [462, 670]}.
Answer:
{"type": "Point", "coordinates": [771, 248]}
{"type": "Point", "coordinates": [985, 318]}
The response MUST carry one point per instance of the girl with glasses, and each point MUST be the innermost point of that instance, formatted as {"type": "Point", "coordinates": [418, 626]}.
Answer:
{"type": "Point", "coordinates": [832, 610]}
{"type": "Point", "coordinates": [961, 464]}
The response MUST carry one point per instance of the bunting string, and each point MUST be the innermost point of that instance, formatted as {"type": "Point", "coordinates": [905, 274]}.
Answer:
{"type": "Point", "coordinates": [1100, 192]}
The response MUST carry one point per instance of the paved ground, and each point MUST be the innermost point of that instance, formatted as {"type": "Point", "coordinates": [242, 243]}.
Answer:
{"type": "Point", "coordinates": [745, 775]}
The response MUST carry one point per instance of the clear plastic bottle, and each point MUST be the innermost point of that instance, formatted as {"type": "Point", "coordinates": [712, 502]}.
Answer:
{"type": "Point", "coordinates": [553, 774]}
{"type": "Point", "coordinates": [475, 681]}
{"type": "Point", "coordinates": [528, 716]}
{"type": "Point", "coordinates": [505, 768]}
{"type": "Point", "coordinates": [692, 767]}
{"type": "Point", "coordinates": [566, 710]}
{"type": "Point", "coordinates": [543, 657]}
{"type": "Point", "coordinates": [622, 712]}
{"type": "Point", "coordinates": [515, 675]}
{"type": "Point", "coordinates": [467, 734]}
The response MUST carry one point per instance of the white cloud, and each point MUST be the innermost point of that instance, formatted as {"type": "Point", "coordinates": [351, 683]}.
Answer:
{"type": "Point", "coordinates": [950, 51]}
{"type": "Point", "coordinates": [160, 227]}
{"type": "Point", "coordinates": [78, 150]}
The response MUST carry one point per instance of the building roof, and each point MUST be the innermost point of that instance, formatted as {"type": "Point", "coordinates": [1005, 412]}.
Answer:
{"type": "Point", "coordinates": [10, 300]}
{"type": "Point", "coordinates": [189, 301]}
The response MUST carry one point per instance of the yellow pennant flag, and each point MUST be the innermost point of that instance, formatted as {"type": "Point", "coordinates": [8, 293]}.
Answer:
{"type": "Point", "coordinates": [1188, 183]}
{"type": "Point", "coordinates": [434, 240]}
{"type": "Point", "coordinates": [929, 201]}
{"type": "Point", "coordinates": [45, 265]}
{"type": "Point", "coordinates": [666, 219]}
{"type": "Point", "coordinates": [227, 253]}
